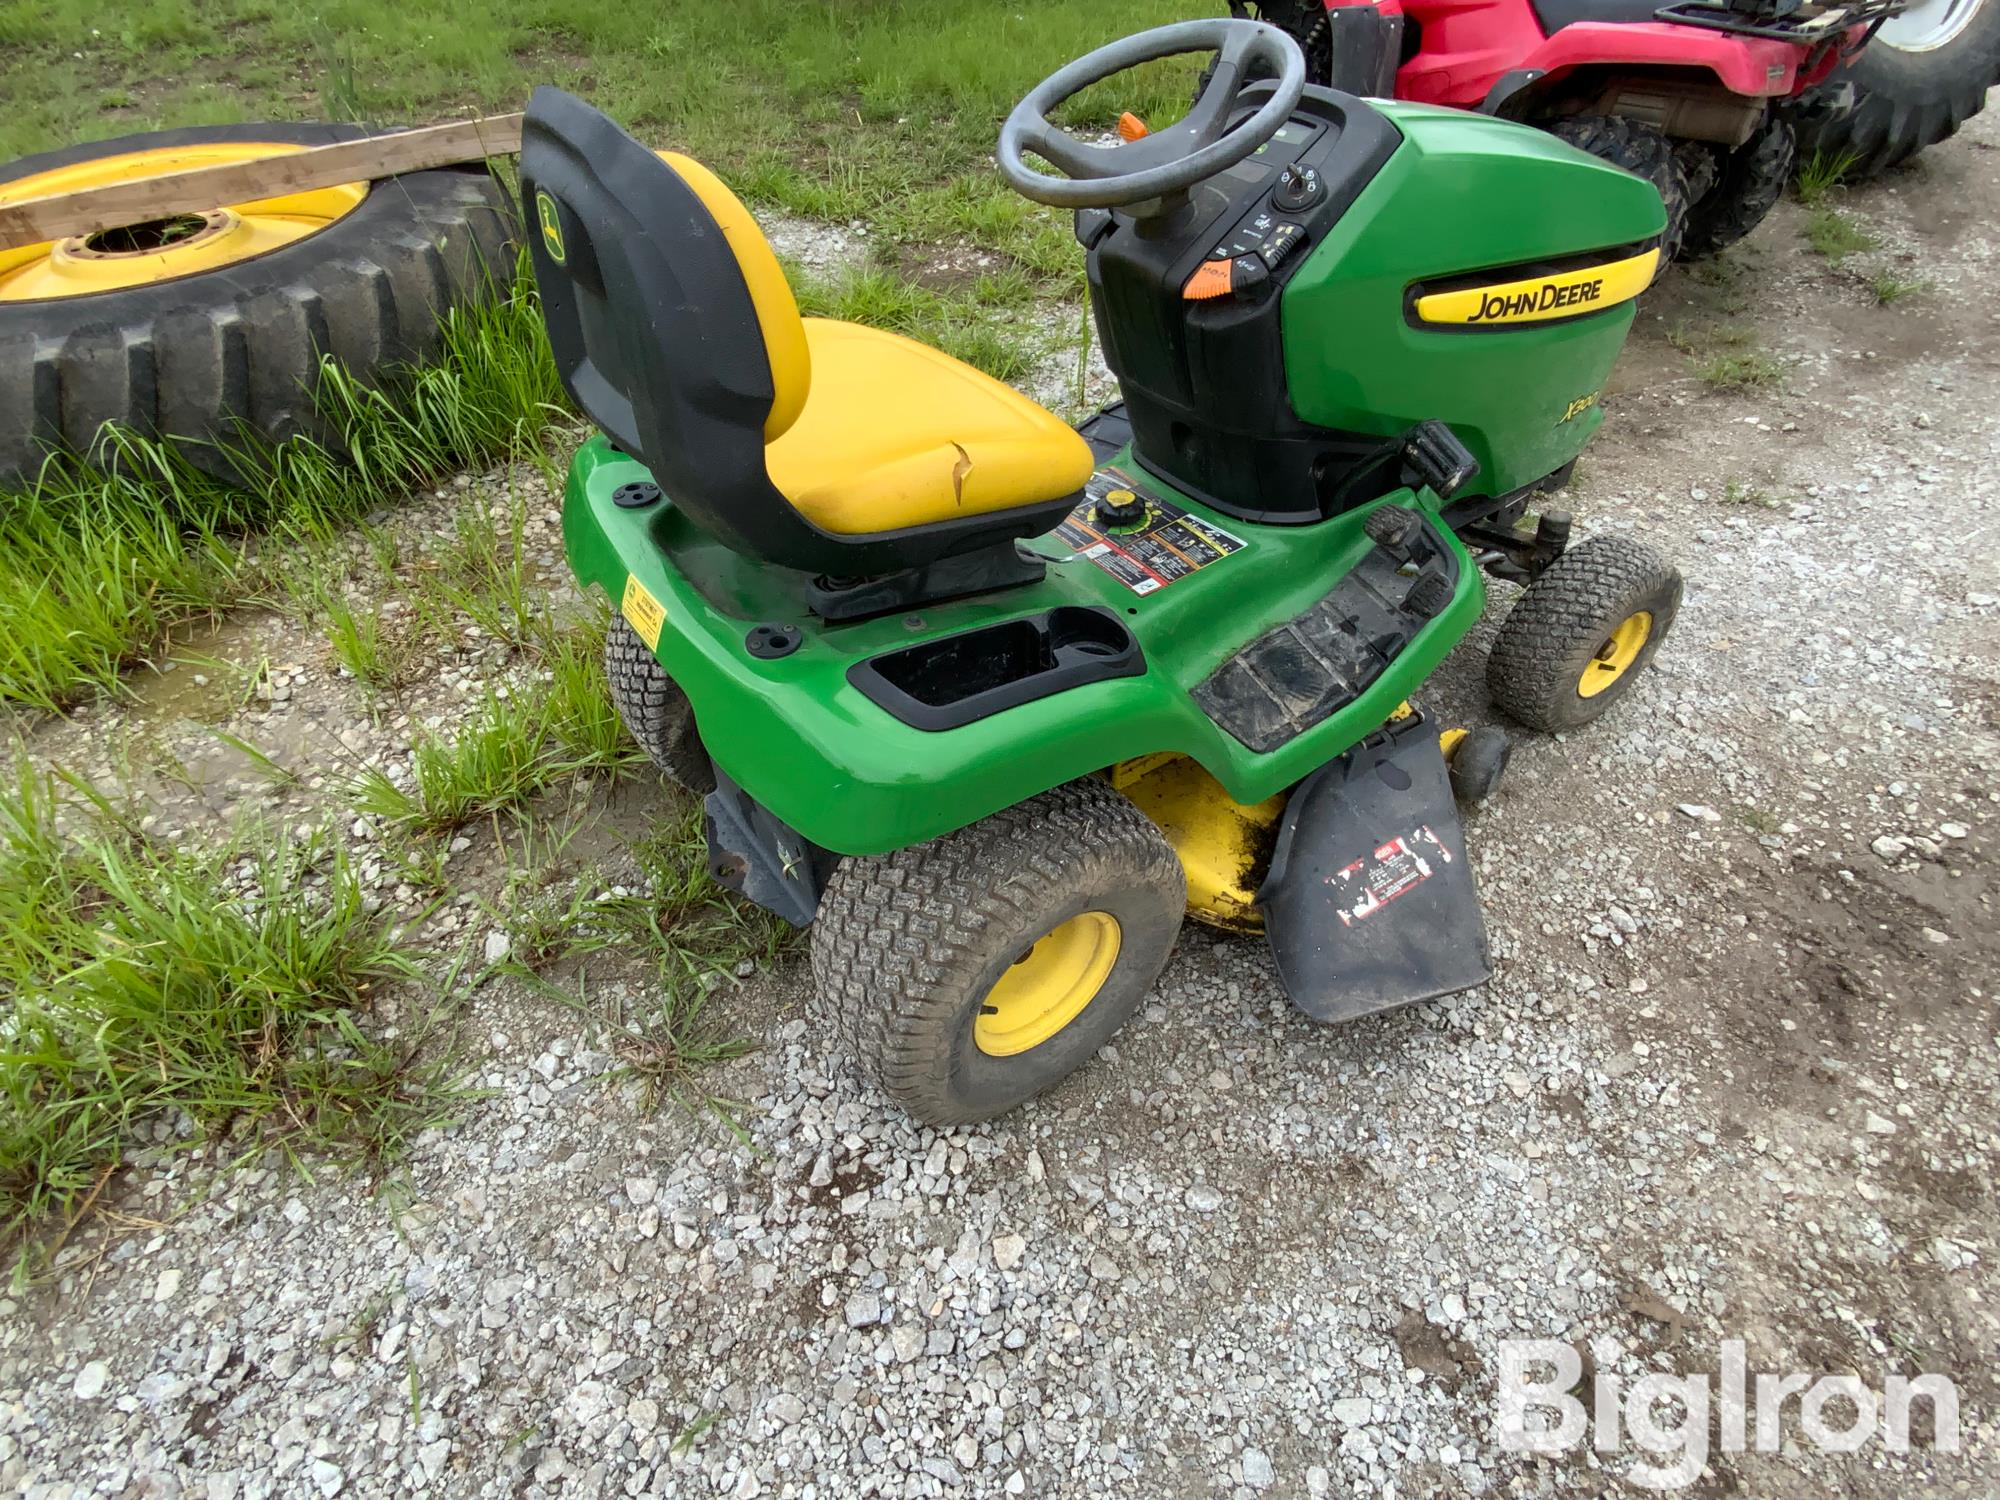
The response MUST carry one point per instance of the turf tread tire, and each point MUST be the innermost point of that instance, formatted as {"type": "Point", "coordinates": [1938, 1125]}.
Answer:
{"type": "Point", "coordinates": [1748, 186]}
{"type": "Point", "coordinates": [906, 944]}
{"type": "Point", "coordinates": [1641, 150]}
{"type": "Point", "coordinates": [656, 712]}
{"type": "Point", "coordinates": [1563, 616]}
{"type": "Point", "coordinates": [205, 358]}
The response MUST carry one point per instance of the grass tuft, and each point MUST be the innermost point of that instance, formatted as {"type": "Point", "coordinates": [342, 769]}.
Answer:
{"type": "Point", "coordinates": [213, 988]}
{"type": "Point", "coordinates": [1836, 236]}
{"type": "Point", "coordinates": [1740, 371]}
{"type": "Point", "coordinates": [517, 742]}
{"type": "Point", "coordinates": [1821, 174]}
{"type": "Point", "coordinates": [1727, 358]}
{"type": "Point", "coordinates": [1891, 286]}
{"type": "Point", "coordinates": [690, 933]}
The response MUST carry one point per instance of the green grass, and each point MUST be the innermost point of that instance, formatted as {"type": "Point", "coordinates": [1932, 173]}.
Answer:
{"type": "Point", "coordinates": [1821, 175]}
{"type": "Point", "coordinates": [1739, 371]}
{"type": "Point", "coordinates": [102, 562]}
{"type": "Point", "coordinates": [480, 574]}
{"type": "Point", "coordinates": [1891, 286]}
{"type": "Point", "coordinates": [825, 88]}
{"type": "Point", "coordinates": [690, 933]}
{"type": "Point", "coordinates": [374, 650]}
{"type": "Point", "coordinates": [1835, 236]}
{"type": "Point", "coordinates": [1727, 358]}
{"type": "Point", "coordinates": [515, 744]}
{"type": "Point", "coordinates": [496, 762]}
{"type": "Point", "coordinates": [213, 985]}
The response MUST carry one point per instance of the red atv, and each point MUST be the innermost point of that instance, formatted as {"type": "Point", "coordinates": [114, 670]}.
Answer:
{"type": "Point", "coordinates": [1700, 97]}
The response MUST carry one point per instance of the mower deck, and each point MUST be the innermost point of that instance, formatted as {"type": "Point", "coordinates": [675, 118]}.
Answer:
{"type": "Point", "coordinates": [1262, 652]}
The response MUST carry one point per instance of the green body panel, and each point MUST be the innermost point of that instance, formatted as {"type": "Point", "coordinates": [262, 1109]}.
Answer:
{"type": "Point", "coordinates": [1463, 193]}
{"type": "Point", "coordinates": [802, 740]}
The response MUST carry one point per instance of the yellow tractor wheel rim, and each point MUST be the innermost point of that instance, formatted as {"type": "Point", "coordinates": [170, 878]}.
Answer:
{"type": "Point", "coordinates": [1048, 986]}
{"type": "Point", "coordinates": [180, 244]}
{"type": "Point", "coordinates": [1615, 657]}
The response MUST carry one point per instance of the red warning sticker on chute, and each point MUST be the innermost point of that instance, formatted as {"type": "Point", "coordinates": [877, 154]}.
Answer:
{"type": "Point", "coordinates": [1394, 869]}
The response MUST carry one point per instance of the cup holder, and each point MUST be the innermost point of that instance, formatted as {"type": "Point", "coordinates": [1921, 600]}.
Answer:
{"type": "Point", "coordinates": [958, 679]}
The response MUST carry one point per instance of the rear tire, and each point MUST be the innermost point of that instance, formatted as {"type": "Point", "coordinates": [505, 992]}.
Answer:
{"type": "Point", "coordinates": [1642, 151]}
{"type": "Point", "coordinates": [1552, 665]}
{"type": "Point", "coordinates": [1907, 99]}
{"type": "Point", "coordinates": [909, 948]}
{"type": "Point", "coordinates": [1748, 185]}
{"type": "Point", "coordinates": [656, 712]}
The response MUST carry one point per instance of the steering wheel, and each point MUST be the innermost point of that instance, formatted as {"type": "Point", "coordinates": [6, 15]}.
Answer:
{"type": "Point", "coordinates": [1172, 159]}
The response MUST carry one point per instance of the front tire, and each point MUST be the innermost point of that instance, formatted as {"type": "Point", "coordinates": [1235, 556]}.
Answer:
{"type": "Point", "coordinates": [1925, 74]}
{"type": "Point", "coordinates": [970, 973]}
{"type": "Point", "coordinates": [1641, 150]}
{"type": "Point", "coordinates": [1580, 635]}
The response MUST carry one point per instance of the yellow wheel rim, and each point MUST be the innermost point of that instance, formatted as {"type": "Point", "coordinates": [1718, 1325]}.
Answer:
{"type": "Point", "coordinates": [1048, 986]}
{"type": "Point", "coordinates": [163, 249]}
{"type": "Point", "coordinates": [1615, 657]}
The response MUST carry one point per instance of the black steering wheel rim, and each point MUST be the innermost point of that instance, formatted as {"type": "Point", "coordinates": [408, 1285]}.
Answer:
{"type": "Point", "coordinates": [1170, 160]}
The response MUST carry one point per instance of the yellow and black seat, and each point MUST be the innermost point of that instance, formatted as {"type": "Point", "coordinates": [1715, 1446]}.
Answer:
{"type": "Point", "coordinates": [811, 444]}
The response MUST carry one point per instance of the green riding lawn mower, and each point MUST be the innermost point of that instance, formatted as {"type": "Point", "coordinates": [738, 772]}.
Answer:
{"type": "Point", "coordinates": [992, 703]}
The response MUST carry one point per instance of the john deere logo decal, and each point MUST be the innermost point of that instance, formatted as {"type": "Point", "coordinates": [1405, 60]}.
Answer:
{"type": "Point", "coordinates": [545, 211]}
{"type": "Point", "coordinates": [1550, 296]}
{"type": "Point", "coordinates": [1566, 294]}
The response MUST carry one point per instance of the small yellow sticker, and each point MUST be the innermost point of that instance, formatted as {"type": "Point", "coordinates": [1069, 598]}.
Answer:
{"type": "Point", "coordinates": [645, 613]}
{"type": "Point", "coordinates": [1567, 294]}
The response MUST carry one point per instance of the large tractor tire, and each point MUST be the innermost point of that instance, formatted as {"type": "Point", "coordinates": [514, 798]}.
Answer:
{"type": "Point", "coordinates": [1639, 149]}
{"type": "Point", "coordinates": [1925, 74]}
{"type": "Point", "coordinates": [207, 328]}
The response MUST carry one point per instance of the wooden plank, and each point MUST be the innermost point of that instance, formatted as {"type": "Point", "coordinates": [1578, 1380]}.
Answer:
{"type": "Point", "coordinates": [34, 220]}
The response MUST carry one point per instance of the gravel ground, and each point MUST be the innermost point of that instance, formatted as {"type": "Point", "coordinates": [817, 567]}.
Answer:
{"type": "Point", "coordinates": [1733, 1078]}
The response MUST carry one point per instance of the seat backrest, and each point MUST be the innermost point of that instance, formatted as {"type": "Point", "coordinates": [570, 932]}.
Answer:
{"type": "Point", "coordinates": [672, 324]}
{"type": "Point", "coordinates": [675, 331]}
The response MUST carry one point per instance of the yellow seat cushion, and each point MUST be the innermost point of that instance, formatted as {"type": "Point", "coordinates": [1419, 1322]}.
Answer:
{"type": "Point", "coordinates": [894, 434]}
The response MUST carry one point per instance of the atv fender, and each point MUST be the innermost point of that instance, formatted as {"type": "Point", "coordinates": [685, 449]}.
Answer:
{"type": "Point", "coordinates": [1370, 903]}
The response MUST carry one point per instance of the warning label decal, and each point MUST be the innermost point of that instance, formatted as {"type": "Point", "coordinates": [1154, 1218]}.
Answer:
{"type": "Point", "coordinates": [1396, 868]}
{"type": "Point", "coordinates": [1157, 547]}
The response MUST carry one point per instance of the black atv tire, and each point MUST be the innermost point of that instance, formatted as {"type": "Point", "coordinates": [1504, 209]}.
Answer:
{"type": "Point", "coordinates": [907, 946]}
{"type": "Point", "coordinates": [656, 712]}
{"type": "Point", "coordinates": [1907, 100]}
{"type": "Point", "coordinates": [207, 357]}
{"type": "Point", "coordinates": [1563, 624]}
{"type": "Point", "coordinates": [1641, 150]}
{"type": "Point", "coordinates": [1748, 185]}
